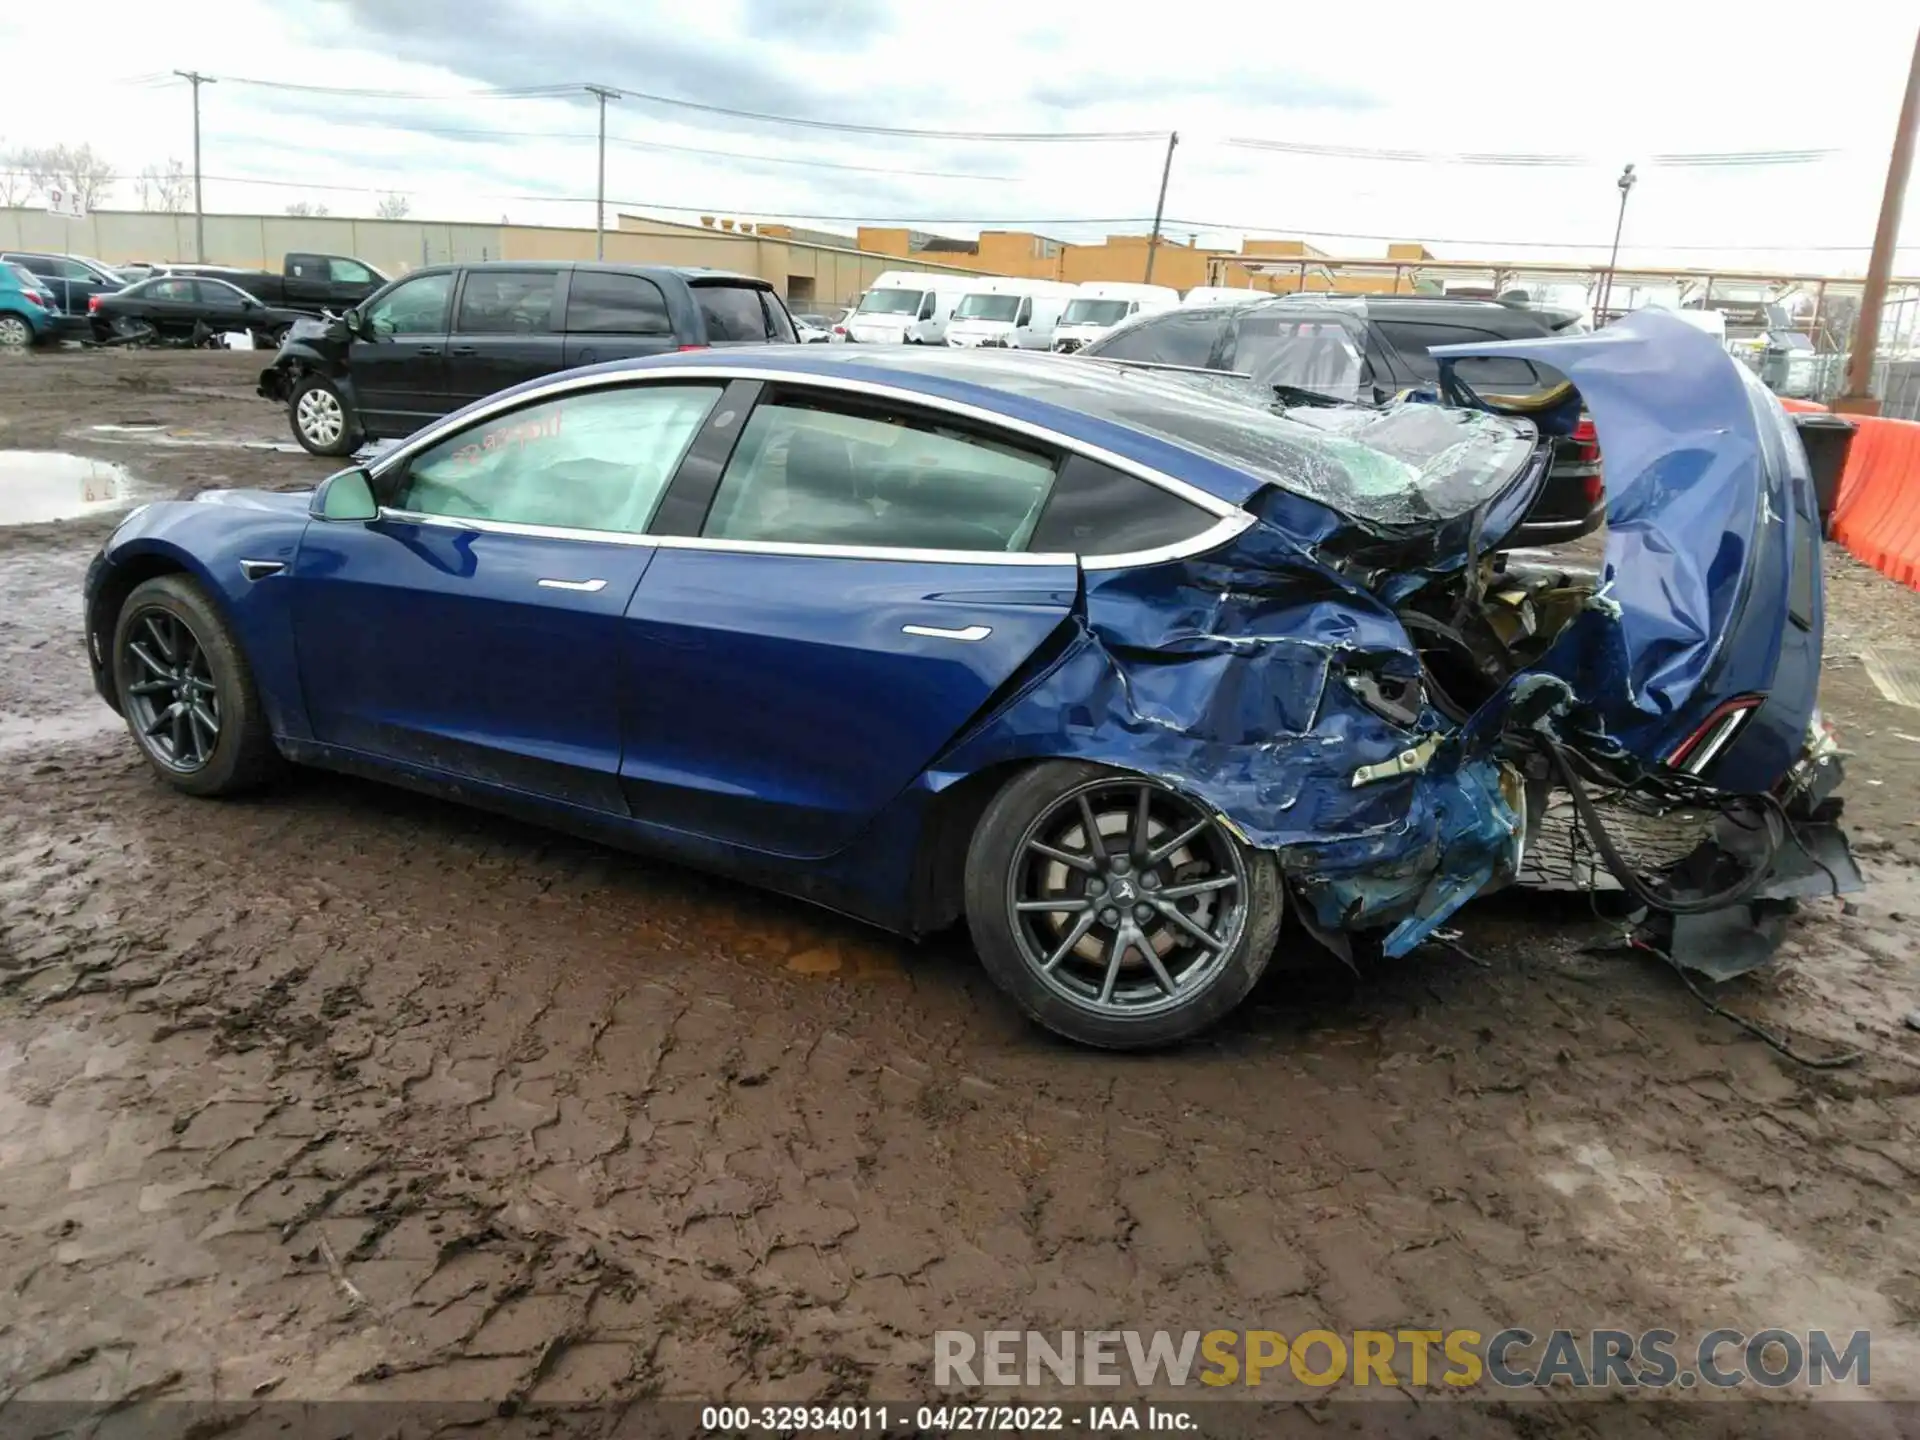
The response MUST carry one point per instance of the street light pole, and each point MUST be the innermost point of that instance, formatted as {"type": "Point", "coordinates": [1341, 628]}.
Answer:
{"type": "Point", "coordinates": [1625, 183]}
{"type": "Point", "coordinates": [199, 210]}
{"type": "Point", "coordinates": [1857, 395]}
{"type": "Point", "coordinates": [600, 192]}
{"type": "Point", "coordinates": [1160, 205]}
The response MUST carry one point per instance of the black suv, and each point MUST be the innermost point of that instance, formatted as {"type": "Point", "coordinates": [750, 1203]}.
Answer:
{"type": "Point", "coordinates": [1370, 348]}
{"type": "Point", "coordinates": [442, 337]}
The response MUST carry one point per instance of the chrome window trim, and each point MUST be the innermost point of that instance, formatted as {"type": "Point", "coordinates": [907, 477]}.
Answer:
{"type": "Point", "coordinates": [514, 527]}
{"type": "Point", "coordinates": [1230, 519]}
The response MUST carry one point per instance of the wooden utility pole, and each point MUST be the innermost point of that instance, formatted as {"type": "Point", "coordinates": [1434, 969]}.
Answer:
{"type": "Point", "coordinates": [1857, 397]}
{"type": "Point", "coordinates": [199, 210]}
{"type": "Point", "coordinates": [1160, 205]}
{"type": "Point", "coordinates": [600, 192]}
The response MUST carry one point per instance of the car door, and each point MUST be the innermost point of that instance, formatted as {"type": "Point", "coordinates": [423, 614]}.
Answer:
{"type": "Point", "coordinates": [170, 305]}
{"type": "Point", "coordinates": [506, 328]}
{"type": "Point", "coordinates": [474, 627]}
{"type": "Point", "coordinates": [612, 315]}
{"type": "Point", "coordinates": [307, 282]}
{"type": "Point", "coordinates": [223, 307]}
{"type": "Point", "coordinates": [397, 358]}
{"type": "Point", "coordinates": [852, 587]}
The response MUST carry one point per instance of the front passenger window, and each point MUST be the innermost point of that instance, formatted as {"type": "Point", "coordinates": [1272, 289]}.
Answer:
{"type": "Point", "coordinates": [415, 307]}
{"type": "Point", "coordinates": [593, 461]}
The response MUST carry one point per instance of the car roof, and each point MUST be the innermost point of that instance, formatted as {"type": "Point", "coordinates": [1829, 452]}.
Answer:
{"type": "Point", "coordinates": [1082, 400]}
{"type": "Point", "coordinates": [690, 273]}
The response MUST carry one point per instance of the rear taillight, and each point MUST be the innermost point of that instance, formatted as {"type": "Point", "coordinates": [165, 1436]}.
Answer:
{"type": "Point", "coordinates": [1694, 754]}
{"type": "Point", "coordinates": [1586, 441]}
{"type": "Point", "coordinates": [93, 303]}
{"type": "Point", "coordinates": [839, 329]}
{"type": "Point", "coordinates": [34, 297]}
{"type": "Point", "coordinates": [684, 348]}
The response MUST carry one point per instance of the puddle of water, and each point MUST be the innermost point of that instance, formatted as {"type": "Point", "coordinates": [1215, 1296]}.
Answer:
{"type": "Point", "coordinates": [41, 485]}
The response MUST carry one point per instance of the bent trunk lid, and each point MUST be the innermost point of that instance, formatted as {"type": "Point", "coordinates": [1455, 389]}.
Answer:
{"type": "Point", "coordinates": [1710, 591]}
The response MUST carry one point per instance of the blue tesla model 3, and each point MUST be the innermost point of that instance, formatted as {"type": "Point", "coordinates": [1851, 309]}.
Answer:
{"type": "Point", "coordinates": [1112, 664]}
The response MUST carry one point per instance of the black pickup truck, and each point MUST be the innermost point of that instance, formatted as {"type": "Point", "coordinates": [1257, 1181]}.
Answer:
{"type": "Point", "coordinates": [306, 282]}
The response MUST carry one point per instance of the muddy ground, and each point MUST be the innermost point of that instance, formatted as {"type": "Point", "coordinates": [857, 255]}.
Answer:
{"type": "Point", "coordinates": [341, 1092]}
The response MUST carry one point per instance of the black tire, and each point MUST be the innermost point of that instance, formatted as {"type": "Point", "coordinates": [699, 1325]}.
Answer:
{"type": "Point", "coordinates": [16, 334]}
{"type": "Point", "coordinates": [1002, 867]}
{"type": "Point", "coordinates": [164, 624]}
{"type": "Point", "coordinates": [328, 401]}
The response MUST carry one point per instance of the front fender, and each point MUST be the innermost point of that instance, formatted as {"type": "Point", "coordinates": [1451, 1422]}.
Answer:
{"type": "Point", "coordinates": [207, 541]}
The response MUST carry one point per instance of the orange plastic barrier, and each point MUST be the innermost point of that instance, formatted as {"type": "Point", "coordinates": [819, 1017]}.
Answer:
{"type": "Point", "coordinates": [1877, 513]}
{"type": "Point", "coordinates": [1787, 403]}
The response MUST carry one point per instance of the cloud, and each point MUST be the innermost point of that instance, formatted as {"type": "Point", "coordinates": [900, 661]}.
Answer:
{"type": "Point", "coordinates": [822, 24]}
{"type": "Point", "coordinates": [1272, 89]}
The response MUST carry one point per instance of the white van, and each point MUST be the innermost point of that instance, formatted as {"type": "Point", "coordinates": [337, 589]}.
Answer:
{"type": "Point", "coordinates": [1099, 305]}
{"type": "Point", "coordinates": [1004, 313]}
{"type": "Point", "coordinates": [907, 307]}
{"type": "Point", "coordinates": [1224, 295]}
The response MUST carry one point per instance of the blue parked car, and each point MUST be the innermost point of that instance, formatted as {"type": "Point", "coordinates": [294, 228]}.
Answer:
{"type": "Point", "coordinates": [26, 309]}
{"type": "Point", "coordinates": [1110, 664]}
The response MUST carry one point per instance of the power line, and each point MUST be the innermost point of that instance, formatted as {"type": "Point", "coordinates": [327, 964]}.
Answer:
{"type": "Point", "coordinates": [1733, 158]}
{"type": "Point", "coordinates": [576, 135]}
{"type": "Point", "coordinates": [840, 126]}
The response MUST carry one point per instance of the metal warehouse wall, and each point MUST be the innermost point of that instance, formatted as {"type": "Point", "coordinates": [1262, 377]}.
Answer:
{"type": "Point", "coordinates": [805, 273]}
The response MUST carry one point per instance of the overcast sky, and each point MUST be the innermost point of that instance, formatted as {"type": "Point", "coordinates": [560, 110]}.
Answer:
{"type": "Point", "coordinates": [1644, 81]}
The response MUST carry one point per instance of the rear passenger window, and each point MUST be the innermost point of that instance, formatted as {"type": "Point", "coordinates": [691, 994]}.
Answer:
{"type": "Point", "coordinates": [1176, 339]}
{"type": "Point", "coordinates": [732, 312]}
{"type": "Point", "coordinates": [507, 302]}
{"type": "Point", "coordinates": [1492, 373]}
{"type": "Point", "coordinates": [1097, 510]}
{"type": "Point", "coordinates": [812, 475]}
{"type": "Point", "coordinates": [601, 303]}
{"type": "Point", "coordinates": [779, 323]}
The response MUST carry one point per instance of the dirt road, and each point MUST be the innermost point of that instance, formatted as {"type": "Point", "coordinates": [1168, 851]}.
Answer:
{"type": "Point", "coordinates": [342, 1092]}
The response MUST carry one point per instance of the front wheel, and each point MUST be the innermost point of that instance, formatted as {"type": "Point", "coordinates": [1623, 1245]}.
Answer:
{"type": "Point", "coordinates": [187, 691]}
{"type": "Point", "coordinates": [322, 419]}
{"type": "Point", "coordinates": [1116, 911]}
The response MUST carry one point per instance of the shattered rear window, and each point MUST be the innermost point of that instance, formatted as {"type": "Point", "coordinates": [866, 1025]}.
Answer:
{"type": "Point", "coordinates": [1401, 464]}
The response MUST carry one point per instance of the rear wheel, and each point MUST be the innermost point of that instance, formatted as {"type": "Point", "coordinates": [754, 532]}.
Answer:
{"type": "Point", "coordinates": [322, 420]}
{"type": "Point", "coordinates": [187, 692]}
{"type": "Point", "coordinates": [1115, 910]}
{"type": "Point", "coordinates": [15, 333]}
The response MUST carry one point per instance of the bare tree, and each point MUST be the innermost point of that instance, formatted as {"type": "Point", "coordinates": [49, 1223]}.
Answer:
{"type": "Point", "coordinates": [393, 207]}
{"type": "Point", "coordinates": [166, 188]}
{"type": "Point", "coordinates": [16, 185]}
{"type": "Point", "coordinates": [306, 208]}
{"type": "Point", "coordinates": [76, 169]}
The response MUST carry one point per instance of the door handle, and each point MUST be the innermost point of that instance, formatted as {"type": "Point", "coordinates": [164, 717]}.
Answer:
{"type": "Point", "coordinates": [934, 632]}
{"type": "Point", "coordinates": [428, 350]}
{"type": "Point", "coordinates": [588, 587]}
{"type": "Point", "coordinates": [464, 350]}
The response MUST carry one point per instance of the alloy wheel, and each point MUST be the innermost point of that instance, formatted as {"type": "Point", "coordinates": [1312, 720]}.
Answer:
{"type": "Point", "coordinates": [14, 334]}
{"type": "Point", "coordinates": [319, 416]}
{"type": "Point", "coordinates": [1126, 898]}
{"type": "Point", "coordinates": [171, 698]}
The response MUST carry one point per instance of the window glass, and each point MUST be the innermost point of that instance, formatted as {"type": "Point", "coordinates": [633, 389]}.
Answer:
{"type": "Point", "coordinates": [1304, 350]}
{"type": "Point", "coordinates": [987, 307]}
{"type": "Point", "coordinates": [593, 461]}
{"type": "Point", "coordinates": [305, 267]}
{"type": "Point", "coordinates": [218, 292]}
{"type": "Point", "coordinates": [605, 303]}
{"type": "Point", "coordinates": [1097, 510]}
{"type": "Point", "coordinates": [181, 290]}
{"type": "Point", "coordinates": [779, 323]}
{"type": "Point", "coordinates": [889, 302]}
{"type": "Point", "coordinates": [417, 307]}
{"type": "Point", "coordinates": [809, 474]}
{"type": "Point", "coordinates": [1095, 312]}
{"type": "Point", "coordinates": [1170, 339]}
{"type": "Point", "coordinates": [507, 302]}
{"type": "Point", "coordinates": [348, 272]}
{"type": "Point", "coordinates": [732, 312]}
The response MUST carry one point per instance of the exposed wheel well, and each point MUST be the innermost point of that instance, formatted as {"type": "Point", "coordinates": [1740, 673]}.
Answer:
{"type": "Point", "coordinates": [108, 599]}
{"type": "Point", "coordinates": [939, 872]}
